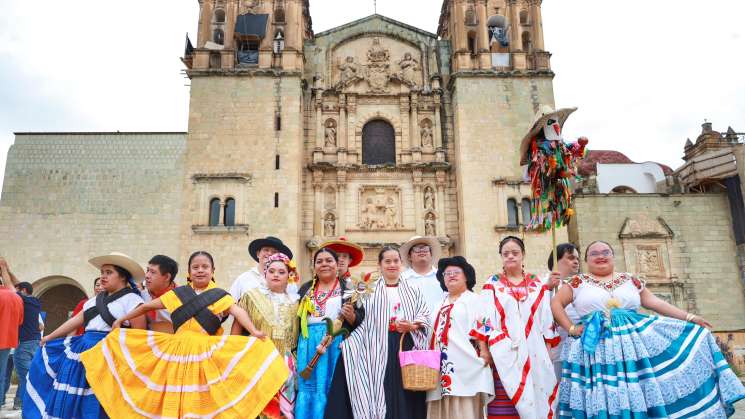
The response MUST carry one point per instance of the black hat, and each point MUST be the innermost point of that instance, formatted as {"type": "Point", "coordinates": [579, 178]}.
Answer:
{"type": "Point", "coordinates": [268, 241]}
{"type": "Point", "coordinates": [460, 262]}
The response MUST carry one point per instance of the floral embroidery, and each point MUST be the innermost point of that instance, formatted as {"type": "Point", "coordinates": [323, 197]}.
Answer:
{"type": "Point", "coordinates": [520, 291]}
{"type": "Point", "coordinates": [394, 316]}
{"type": "Point", "coordinates": [320, 301]}
{"type": "Point", "coordinates": [575, 282]}
{"type": "Point", "coordinates": [446, 370]}
{"type": "Point", "coordinates": [483, 328]}
{"type": "Point", "coordinates": [638, 282]}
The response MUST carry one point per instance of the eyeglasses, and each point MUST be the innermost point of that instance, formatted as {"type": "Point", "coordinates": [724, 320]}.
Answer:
{"type": "Point", "coordinates": [597, 253]}
{"type": "Point", "coordinates": [454, 272]}
{"type": "Point", "coordinates": [420, 249]}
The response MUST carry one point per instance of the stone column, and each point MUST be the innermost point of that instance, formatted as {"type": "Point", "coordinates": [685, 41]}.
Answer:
{"type": "Point", "coordinates": [416, 137]}
{"type": "Point", "coordinates": [342, 138]}
{"type": "Point", "coordinates": [341, 197]}
{"type": "Point", "coordinates": [516, 41]}
{"type": "Point", "coordinates": [418, 202]}
{"type": "Point", "coordinates": [205, 29]}
{"type": "Point", "coordinates": [318, 150]}
{"type": "Point", "coordinates": [537, 21]}
{"type": "Point", "coordinates": [404, 151]}
{"type": "Point", "coordinates": [231, 15]}
{"type": "Point", "coordinates": [437, 128]}
{"type": "Point", "coordinates": [317, 203]}
{"type": "Point", "coordinates": [440, 207]}
{"type": "Point", "coordinates": [483, 36]}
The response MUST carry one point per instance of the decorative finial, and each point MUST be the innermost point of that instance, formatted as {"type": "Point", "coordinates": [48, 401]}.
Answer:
{"type": "Point", "coordinates": [375, 6]}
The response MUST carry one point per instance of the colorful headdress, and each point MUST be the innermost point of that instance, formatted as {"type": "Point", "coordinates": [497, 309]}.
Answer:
{"type": "Point", "coordinates": [294, 277]}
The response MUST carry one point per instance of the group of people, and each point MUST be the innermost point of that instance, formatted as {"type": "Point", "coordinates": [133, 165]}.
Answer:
{"type": "Point", "coordinates": [569, 345]}
{"type": "Point", "coordinates": [21, 325]}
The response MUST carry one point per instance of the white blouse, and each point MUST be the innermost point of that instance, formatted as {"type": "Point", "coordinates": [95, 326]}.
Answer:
{"type": "Point", "coordinates": [590, 296]}
{"type": "Point", "coordinates": [118, 309]}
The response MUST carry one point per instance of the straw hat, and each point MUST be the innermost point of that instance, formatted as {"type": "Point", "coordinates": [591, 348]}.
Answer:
{"type": "Point", "coordinates": [342, 245]}
{"type": "Point", "coordinates": [543, 115]}
{"type": "Point", "coordinates": [121, 260]}
{"type": "Point", "coordinates": [432, 242]}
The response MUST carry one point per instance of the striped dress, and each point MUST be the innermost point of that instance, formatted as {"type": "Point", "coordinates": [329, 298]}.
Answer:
{"type": "Point", "coordinates": [371, 372]}
{"type": "Point", "coordinates": [633, 365]}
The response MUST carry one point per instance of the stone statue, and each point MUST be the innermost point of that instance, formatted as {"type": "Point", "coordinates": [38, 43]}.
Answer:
{"type": "Point", "coordinates": [330, 134]}
{"type": "Point", "coordinates": [329, 226]}
{"type": "Point", "coordinates": [427, 135]}
{"type": "Point", "coordinates": [390, 213]}
{"type": "Point", "coordinates": [429, 198]}
{"type": "Point", "coordinates": [370, 218]}
{"type": "Point", "coordinates": [350, 72]}
{"type": "Point", "coordinates": [409, 68]}
{"type": "Point", "coordinates": [429, 225]}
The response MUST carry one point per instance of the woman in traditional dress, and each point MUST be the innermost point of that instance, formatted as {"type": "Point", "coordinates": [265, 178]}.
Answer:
{"type": "Point", "coordinates": [322, 300]}
{"type": "Point", "coordinates": [525, 383]}
{"type": "Point", "coordinates": [274, 312]}
{"type": "Point", "coordinates": [466, 383]}
{"type": "Point", "coordinates": [629, 364]}
{"type": "Point", "coordinates": [56, 384]}
{"type": "Point", "coordinates": [195, 372]}
{"type": "Point", "coordinates": [367, 382]}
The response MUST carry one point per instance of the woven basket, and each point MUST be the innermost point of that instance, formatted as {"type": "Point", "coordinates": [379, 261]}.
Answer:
{"type": "Point", "coordinates": [418, 377]}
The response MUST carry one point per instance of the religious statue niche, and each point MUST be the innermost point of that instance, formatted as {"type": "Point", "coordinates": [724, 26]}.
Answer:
{"type": "Point", "coordinates": [329, 225]}
{"type": "Point", "coordinates": [380, 208]}
{"type": "Point", "coordinates": [425, 130]}
{"type": "Point", "coordinates": [430, 228]}
{"type": "Point", "coordinates": [330, 134]}
{"type": "Point", "coordinates": [429, 198]}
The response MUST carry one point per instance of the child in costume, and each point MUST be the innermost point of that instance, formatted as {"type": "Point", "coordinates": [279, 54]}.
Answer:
{"type": "Point", "coordinates": [196, 372]}
{"type": "Point", "coordinates": [274, 312]}
{"type": "Point", "coordinates": [56, 384]}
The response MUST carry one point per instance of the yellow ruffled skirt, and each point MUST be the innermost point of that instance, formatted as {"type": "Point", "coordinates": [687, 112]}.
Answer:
{"type": "Point", "coordinates": [140, 373]}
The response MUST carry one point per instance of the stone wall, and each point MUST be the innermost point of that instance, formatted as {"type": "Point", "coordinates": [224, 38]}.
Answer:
{"type": "Point", "coordinates": [683, 242]}
{"type": "Point", "coordinates": [491, 116]}
{"type": "Point", "coordinates": [69, 197]}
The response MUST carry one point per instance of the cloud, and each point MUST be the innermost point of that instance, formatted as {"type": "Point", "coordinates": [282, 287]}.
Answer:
{"type": "Point", "coordinates": [643, 74]}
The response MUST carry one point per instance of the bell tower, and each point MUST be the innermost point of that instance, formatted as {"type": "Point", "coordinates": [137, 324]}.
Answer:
{"type": "Point", "coordinates": [500, 77]}
{"type": "Point", "coordinates": [243, 159]}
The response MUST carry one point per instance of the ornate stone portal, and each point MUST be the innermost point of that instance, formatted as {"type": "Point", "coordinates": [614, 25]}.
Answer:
{"type": "Point", "coordinates": [378, 71]}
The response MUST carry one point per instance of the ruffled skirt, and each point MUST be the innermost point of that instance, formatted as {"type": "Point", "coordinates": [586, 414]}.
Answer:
{"type": "Point", "coordinates": [647, 366]}
{"type": "Point", "coordinates": [144, 373]}
{"type": "Point", "coordinates": [313, 393]}
{"type": "Point", "coordinates": [56, 385]}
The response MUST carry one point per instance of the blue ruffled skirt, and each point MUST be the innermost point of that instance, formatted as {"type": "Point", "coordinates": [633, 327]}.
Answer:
{"type": "Point", "coordinates": [312, 393]}
{"type": "Point", "coordinates": [56, 384]}
{"type": "Point", "coordinates": [640, 366]}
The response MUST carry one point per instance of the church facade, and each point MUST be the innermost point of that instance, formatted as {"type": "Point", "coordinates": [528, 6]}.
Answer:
{"type": "Point", "coordinates": [374, 130]}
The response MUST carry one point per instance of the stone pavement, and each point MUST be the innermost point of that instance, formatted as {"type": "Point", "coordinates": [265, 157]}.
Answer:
{"type": "Point", "coordinates": [16, 414]}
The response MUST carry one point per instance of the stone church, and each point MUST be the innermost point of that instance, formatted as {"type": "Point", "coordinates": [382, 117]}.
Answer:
{"type": "Point", "coordinates": [374, 130]}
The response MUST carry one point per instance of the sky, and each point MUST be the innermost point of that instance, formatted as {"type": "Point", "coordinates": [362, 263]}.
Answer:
{"type": "Point", "coordinates": [644, 74]}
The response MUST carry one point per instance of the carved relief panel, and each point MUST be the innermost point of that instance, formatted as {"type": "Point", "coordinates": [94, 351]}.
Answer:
{"type": "Point", "coordinates": [380, 208]}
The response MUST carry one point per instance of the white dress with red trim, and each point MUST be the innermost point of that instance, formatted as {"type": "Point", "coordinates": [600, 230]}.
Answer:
{"type": "Point", "coordinates": [523, 326]}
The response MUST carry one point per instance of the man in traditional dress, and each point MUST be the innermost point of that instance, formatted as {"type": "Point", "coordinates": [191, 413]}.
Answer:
{"type": "Point", "coordinates": [421, 254]}
{"type": "Point", "coordinates": [260, 250]}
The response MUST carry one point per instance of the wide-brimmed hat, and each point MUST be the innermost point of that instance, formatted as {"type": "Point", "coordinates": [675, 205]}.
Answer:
{"type": "Point", "coordinates": [432, 242]}
{"type": "Point", "coordinates": [121, 260]}
{"type": "Point", "coordinates": [541, 117]}
{"type": "Point", "coordinates": [460, 262]}
{"type": "Point", "coordinates": [268, 241]}
{"type": "Point", "coordinates": [342, 245]}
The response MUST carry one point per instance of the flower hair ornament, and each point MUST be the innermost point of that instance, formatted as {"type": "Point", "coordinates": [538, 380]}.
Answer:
{"type": "Point", "coordinates": [294, 277]}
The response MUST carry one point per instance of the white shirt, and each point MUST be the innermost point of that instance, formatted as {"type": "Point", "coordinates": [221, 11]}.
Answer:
{"type": "Point", "coordinates": [428, 285]}
{"type": "Point", "coordinates": [117, 308]}
{"type": "Point", "coordinates": [253, 279]}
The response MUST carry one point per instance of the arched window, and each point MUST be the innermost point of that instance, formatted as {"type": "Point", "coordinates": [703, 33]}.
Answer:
{"type": "Point", "coordinates": [524, 19]}
{"type": "Point", "coordinates": [527, 44]}
{"type": "Point", "coordinates": [511, 213]}
{"type": "Point", "coordinates": [219, 16]}
{"type": "Point", "coordinates": [525, 211]}
{"type": "Point", "coordinates": [378, 143]}
{"type": "Point", "coordinates": [214, 212]}
{"type": "Point", "coordinates": [215, 60]}
{"type": "Point", "coordinates": [229, 218]}
{"type": "Point", "coordinates": [218, 36]}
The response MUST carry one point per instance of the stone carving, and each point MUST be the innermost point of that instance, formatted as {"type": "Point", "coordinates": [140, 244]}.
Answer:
{"type": "Point", "coordinates": [641, 226]}
{"type": "Point", "coordinates": [376, 53]}
{"type": "Point", "coordinates": [351, 72]}
{"type": "Point", "coordinates": [429, 198]}
{"type": "Point", "coordinates": [378, 68]}
{"type": "Point", "coordinates": [409, 69]}
{"type": "Point", "coordinates": [330, 134]}
{"type": "Point", "coordinates": [249, 6]}
{"type": "Point", "coordinates": [429, 225]}
{"type": "Point", "coordinates": [648, 261]}
{"type": "Point", "coordinates": [426, 131]}
{"type": "Point", "coordinates": [329, 225]}
{"type": "Point", "coordinates": [379, 208]}
{"type": "Point", "coordinates": [329, 198]}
